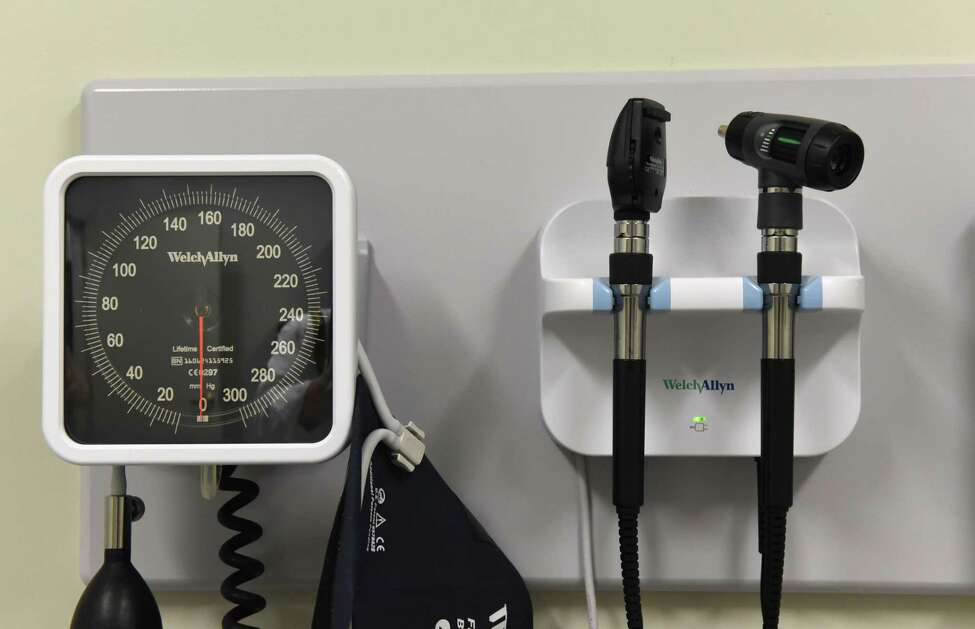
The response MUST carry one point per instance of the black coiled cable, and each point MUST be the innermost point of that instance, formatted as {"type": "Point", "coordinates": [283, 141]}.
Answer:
{"type": "Point", "coordinates": [247, 568]}
{"type": "Point", "coordinates": [630, 562]}
{"type": "Point", "coordinates": [773, 564]}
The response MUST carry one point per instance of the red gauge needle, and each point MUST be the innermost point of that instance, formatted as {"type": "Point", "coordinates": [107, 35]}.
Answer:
{"type": "Point", "coordinates": [202, 401]}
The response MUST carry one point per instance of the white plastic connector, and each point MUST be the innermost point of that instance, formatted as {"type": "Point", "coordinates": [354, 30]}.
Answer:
{"type": "Point", "coordinates": [404, 441]}
{"type": "Point", "coordinates": [410, 448]}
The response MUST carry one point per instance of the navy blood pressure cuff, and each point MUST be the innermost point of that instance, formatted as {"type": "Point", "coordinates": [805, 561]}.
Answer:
{"type": "Point", "coordinates": [413, 556]}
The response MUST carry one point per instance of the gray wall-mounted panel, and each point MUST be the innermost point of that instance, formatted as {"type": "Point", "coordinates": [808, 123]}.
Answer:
{"type": "Point", "coordinates": [456, 176]}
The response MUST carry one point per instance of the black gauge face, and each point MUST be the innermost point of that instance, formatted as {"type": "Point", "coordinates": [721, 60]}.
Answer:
{"type": "Point", "coordinates": [198, 309]}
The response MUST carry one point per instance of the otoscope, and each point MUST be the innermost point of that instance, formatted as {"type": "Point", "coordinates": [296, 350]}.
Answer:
{"type": "Point", "coordinates": [789, 152]}
{"type": "Point", "coordinates": [637, 173]}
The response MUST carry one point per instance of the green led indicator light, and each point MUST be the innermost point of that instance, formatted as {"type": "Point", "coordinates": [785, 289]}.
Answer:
{"type": "Point", "coordinates": [785, 140]}
{"type": "Point", "coordinates": [699, 423]}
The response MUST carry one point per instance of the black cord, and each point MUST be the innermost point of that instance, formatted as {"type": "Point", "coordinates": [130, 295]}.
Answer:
{"type": "Point", "coordinates": [773, 564]}
{"type": "Point", "coordinates": [247, 568]}
{"type": "Point", "coordinates": [629, 403]}
{"type": "Point", "coordinates": [761, 503]}
{"type": "Point", "coordinates": [775, 479]}
{"type": "Point", "coordinates": [630, 563]}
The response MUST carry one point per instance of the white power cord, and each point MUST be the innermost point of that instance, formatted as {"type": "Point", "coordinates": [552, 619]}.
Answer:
{"type": "Point", "coordinates": [372, 441]}
{"type": "Point", "coordinates": [385, 415]}
{"type": "Point", "coordinates": [585, 535]}
{"type": "Point", "coordinates": [406, 442]}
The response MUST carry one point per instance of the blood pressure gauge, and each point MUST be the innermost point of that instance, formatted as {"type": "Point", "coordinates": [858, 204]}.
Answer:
{"type": "Point", "coordinates": [198, 309]}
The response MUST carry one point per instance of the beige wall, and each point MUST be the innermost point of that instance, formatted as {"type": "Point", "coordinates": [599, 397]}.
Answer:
{"type": "Point", "coordinates": [50, 48]}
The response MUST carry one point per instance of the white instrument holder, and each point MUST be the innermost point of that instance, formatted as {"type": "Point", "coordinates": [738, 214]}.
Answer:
{"type": "Point", "coordinates": [704, 333]}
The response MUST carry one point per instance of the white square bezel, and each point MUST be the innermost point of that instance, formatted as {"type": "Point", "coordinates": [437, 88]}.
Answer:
{"type": "Point", "coordinates": [344, 339]}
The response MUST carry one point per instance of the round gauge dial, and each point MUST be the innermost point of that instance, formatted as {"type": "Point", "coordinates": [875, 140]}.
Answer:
{"type": "Point", "coordinates": [202, 312]}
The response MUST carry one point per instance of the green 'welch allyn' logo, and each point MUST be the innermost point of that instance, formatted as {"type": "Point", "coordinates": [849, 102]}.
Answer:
{"type": "Point", "coordinates": [701, 386]}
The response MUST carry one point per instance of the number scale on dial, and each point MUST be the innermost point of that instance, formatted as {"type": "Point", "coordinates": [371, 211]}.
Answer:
{"type": "Point", "coordinates": [182, 250]}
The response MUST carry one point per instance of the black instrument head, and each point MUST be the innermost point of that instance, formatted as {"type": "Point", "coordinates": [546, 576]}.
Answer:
{"type": "Point", "coordinates": [793, 151]}
{"type": "Point", "coordinates": [637, 159]}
